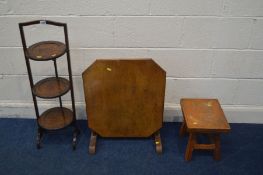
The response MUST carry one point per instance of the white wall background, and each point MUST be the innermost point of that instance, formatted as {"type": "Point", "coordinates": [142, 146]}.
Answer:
{"type": "Point", "coordinates": [209, 48]}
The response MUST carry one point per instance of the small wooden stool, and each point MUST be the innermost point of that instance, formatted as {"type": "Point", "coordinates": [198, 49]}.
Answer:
{"type": "Point", "coordinates": [203, 116]}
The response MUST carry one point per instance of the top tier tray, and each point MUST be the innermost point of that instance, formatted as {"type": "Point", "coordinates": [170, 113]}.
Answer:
{"type": "Point", "coordinates": [46, 50]}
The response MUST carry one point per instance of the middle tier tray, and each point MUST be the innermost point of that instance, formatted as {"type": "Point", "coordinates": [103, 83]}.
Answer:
{"type": "Point", "coordinates": [55, 118]}
{"type": "Point", "coordinates": [51, 87]}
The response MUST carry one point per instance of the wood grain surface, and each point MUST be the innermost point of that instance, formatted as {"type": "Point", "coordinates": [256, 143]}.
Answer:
{"type": "Point", "coordinates": [204, 115]}
{"type": "Point", "coordinates": [124, 98]}
{"type": "Point", "coordinates": [55, 118]}
{"type": "Point", "coordinates": [46, 50]}
{"type": "Point", "coordinates": [51, 87]}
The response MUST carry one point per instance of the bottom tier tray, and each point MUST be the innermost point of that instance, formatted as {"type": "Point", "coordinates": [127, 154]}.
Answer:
{"type": "Point", "coordinates": [55, 118]}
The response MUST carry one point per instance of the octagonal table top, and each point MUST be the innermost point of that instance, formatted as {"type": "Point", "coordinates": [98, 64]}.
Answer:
{"type": "Point", "coordinates": [124, 97]}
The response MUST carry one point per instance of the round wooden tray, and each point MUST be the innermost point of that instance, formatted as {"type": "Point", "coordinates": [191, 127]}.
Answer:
{"type": "Point", "coordinates": [55, 118]}
{"type": "Point", "coordinates": [51, 87]}
{"type": "Point", "coordinates": [46, 50]}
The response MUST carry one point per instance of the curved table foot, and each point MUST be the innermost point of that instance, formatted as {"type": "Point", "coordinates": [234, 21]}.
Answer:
{"type": "Point", "coordinates": [92, 143]}
{"type": "Point", "coordinates": [158, 143]}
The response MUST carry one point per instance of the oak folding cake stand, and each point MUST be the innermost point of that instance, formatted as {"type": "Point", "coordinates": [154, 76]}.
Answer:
{"type": "Point", "coordinates": [124, 98]}
{"type": "Point", "coordinates": [53, 87]}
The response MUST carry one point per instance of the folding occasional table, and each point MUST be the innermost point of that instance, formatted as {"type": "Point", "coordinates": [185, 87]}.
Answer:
{"type": "Point", "coordinates": [124, 98]}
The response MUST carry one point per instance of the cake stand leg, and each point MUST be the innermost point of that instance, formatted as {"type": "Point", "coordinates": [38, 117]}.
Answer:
{"type": "Point", "coordinates": [75, 135]}
{"type": "Point", "coordinates": [39, 137]}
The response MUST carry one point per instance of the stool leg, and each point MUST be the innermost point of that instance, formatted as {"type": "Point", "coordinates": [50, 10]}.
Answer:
{"type": "Point", "coordinates": [190, 146]}
{"type": "Point", "coordinates": [182, 129]}
{"type": "Point", "coordinates": [217, 155]}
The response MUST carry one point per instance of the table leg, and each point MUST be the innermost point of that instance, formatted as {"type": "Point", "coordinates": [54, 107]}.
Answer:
{"type": "Point", "coordinates": [92, 143]}
{"type": "Point", "coordinates": [158, 142]}
{"type": "Point", "coordinates": [217, 154]}
{"type": "Point", "coordinates": [190, 146]}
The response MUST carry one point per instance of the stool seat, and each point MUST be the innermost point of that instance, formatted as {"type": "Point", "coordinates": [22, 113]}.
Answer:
{"type": "Point", "coordinates": [203, 116]}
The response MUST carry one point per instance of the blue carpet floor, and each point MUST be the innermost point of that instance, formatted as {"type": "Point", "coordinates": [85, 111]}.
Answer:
{"type": "Point", "coordinates": [242, 152]}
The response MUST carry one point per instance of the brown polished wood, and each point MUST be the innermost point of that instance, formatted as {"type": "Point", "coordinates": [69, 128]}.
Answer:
{"type": "Point", "coordinates": [55, 118]}
{"type": "Point", "coordinates": [46, 50]}
{"type": "Point", "coordinates": [124, 98]}
{"type": "Point", "coordinates": [203, 116]}
{"type": "Point", "coordinates": [51, 87]}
